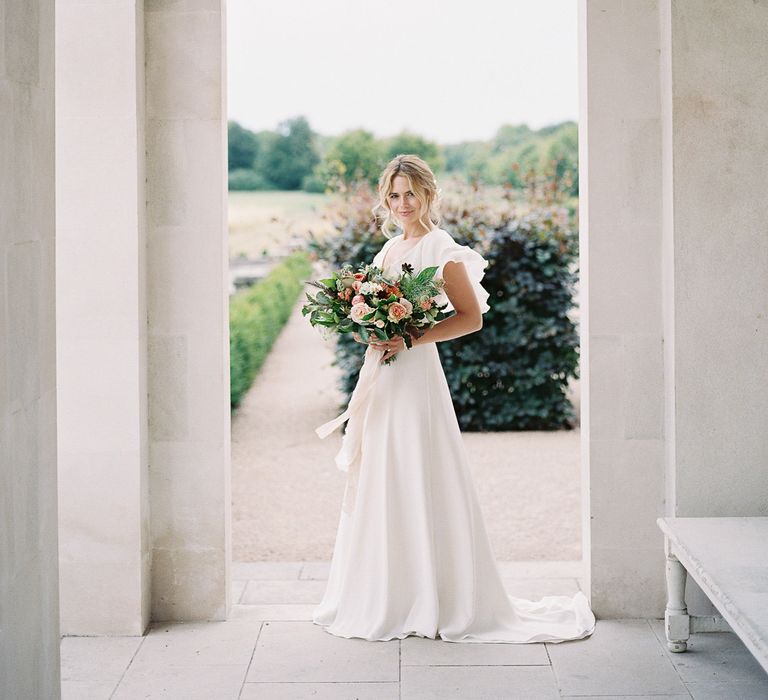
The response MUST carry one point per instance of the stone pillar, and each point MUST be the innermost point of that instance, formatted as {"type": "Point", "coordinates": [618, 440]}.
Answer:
{"type": "Point", "coordinates": [622, 322]}
{"type": "Point", "coordinates": [143, 315]}
{"type": "Point", "coordinates": [102, 318]}
{"type": "Point", "coordinates": [675, 264]}
{"type": "Point", "coordinates": [29, 589]}
{"type": "Point", "coordinates": [188, 310]}
{"type": "Point", "coordinates": [714, 103]}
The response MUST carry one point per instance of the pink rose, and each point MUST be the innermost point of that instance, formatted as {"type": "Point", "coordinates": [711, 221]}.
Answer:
{"type": "Point", "coordinates": [426, 304]}
{"type": "Point", "coordinates": [358, 299]}
{"type": "Point", "coordinates": [357, 312]}
{"type": "Point", "coordinates": [408, 306]}
{"type": "Point", "coordinates": [356, 285]}
{"type": "Point", "coordinates": [360, 276]}
{"type": "Point", "coordinates": [396, 312]}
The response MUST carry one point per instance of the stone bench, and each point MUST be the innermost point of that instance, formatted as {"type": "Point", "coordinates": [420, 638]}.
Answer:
{"type": "Point", "coordinates": [728, 559]}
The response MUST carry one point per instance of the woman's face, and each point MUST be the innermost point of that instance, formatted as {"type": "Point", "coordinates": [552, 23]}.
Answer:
{"type": "Point", "coordinates": [402, 201]}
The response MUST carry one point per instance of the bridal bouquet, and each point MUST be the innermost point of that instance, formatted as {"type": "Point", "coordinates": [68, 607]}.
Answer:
{"type": "Point", "coordinates": [371, 304]}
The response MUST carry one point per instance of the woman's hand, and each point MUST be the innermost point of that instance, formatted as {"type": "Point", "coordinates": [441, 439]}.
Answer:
{"type": "Point", "coordinates": [391, 347]}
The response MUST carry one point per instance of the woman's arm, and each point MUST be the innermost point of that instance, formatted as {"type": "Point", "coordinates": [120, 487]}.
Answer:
{"type": "Point", "coordinates": [467, 318]}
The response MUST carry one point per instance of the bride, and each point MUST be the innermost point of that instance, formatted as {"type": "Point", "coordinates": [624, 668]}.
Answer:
{"type": "Point", "coordinates": [412, 556]}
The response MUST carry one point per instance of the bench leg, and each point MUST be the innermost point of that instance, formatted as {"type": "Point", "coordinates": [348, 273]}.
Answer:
{"type": "Point", "coordinates": [677, 622]}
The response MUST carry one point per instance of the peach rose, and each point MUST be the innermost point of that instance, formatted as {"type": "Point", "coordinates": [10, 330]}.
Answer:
{"type": "Point", "coordinates": [426, 304]}
{"type": "Point", "coordinates": [357, 312]}
{"type": "Point", "coordinates": [358, 299]}
{"type": "Point", "coordinates": [396, 312]}
{"type": "Point", "coordinates": [408, 306]}
{"type": "Point", "coordinates": [356, 285]}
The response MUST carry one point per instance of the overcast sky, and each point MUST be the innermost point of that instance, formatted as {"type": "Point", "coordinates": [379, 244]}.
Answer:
{"type": "Point", "coordinates": [447, 71]}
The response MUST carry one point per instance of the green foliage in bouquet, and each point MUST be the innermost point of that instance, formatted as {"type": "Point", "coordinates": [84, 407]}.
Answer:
{"type": "Point", "coordinates": [419, 285]}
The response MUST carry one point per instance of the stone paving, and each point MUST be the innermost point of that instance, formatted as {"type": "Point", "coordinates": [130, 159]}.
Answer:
{"type": "Point", "coordinates": [270, 650]}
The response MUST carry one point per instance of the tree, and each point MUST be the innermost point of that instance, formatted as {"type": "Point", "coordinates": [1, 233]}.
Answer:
{"type": "Point", "coordinates": [509, 136]}
{"type": "Point", "coordinates": [406, 142]}
{"type": "Point", "coordinates": [564, 151]}
{"type": "Point", "coordinates": [458, 155]}
{"type": "Point", "coordinates": [290, 155]}
{"type": "Point", "coordinates": [243, 147]}
{"type": "Point", "coordinates": [355, 155]}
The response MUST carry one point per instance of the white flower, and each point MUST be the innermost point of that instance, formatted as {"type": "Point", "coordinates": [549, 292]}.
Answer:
{"type": "Point", "coordinates": [365, 288]}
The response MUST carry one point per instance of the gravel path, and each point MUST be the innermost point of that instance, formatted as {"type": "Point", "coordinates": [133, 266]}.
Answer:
{"type": "Point", "coordinates": [287, 491]}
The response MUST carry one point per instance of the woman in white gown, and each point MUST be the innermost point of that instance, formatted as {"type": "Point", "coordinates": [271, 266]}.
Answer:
{"type": "Point", "coordinates": [412, 556]}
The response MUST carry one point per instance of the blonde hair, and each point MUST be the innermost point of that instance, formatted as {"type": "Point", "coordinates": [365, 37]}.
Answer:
{"type": "Point", "coordinates": [421, 181]}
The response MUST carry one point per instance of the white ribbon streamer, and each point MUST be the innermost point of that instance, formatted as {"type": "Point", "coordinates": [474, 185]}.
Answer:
{"type": "Point", "coordinates": [349, 456]}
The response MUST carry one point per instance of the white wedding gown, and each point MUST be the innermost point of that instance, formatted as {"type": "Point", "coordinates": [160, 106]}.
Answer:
{"type": "Point", "coordinates": [412, 556]}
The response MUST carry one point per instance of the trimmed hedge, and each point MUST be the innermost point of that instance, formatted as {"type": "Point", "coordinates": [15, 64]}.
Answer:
{"type": "Point", "coordinates": [256, 317]}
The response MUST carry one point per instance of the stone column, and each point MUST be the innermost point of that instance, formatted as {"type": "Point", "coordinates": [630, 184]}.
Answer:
{"type": "Point", "coordinates": [29, 589]}
{"type": "Point", "coordinates": [675, 262]}
{"type": "Point", "coordinates": [102, 318]}
{"type": "Point", "coordinates": [714, 106]}
{"type": "Point", "coordinates": [622, 322]}
{"type": "Point", "coordinates": [188, 310]}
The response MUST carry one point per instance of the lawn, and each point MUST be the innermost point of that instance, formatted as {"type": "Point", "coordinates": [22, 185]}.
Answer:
{"type": "Point", "coordinates": [267, 221]}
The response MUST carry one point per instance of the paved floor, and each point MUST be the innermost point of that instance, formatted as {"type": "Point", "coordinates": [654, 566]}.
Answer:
{"type": "Point", "coordinates": [287, 491]}
{"type": "Point", "coordinates": [269, 649]}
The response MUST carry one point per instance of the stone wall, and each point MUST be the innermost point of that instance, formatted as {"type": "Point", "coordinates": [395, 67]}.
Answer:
{"type": "Point", "coordinates": [675, 263]}
{"type": "Point", "coordinates": [143, 313]}
{"type": "Point", "coordinates": [29, 588]}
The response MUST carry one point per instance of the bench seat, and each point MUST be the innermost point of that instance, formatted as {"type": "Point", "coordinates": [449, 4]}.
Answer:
{"type": "Point", "coordinates": [728, 559]}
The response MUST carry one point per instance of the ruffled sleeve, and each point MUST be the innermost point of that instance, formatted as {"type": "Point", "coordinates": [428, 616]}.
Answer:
{"type": "Point", "coordinates": [444, 249]}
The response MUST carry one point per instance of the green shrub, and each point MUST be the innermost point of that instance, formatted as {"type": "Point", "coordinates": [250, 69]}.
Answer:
{"type": "Point", "coordinates": [513, 374]}
{"type": "Point", "coordinates": [313, 183]}
{"type": "Point", "coordinates": [256, 317]}
{"type": "Point", "coordinates": [250, 180]}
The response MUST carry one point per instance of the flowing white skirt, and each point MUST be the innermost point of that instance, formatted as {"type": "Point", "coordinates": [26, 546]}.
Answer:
{"type": "Point", "coordinates": [413, 556]}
